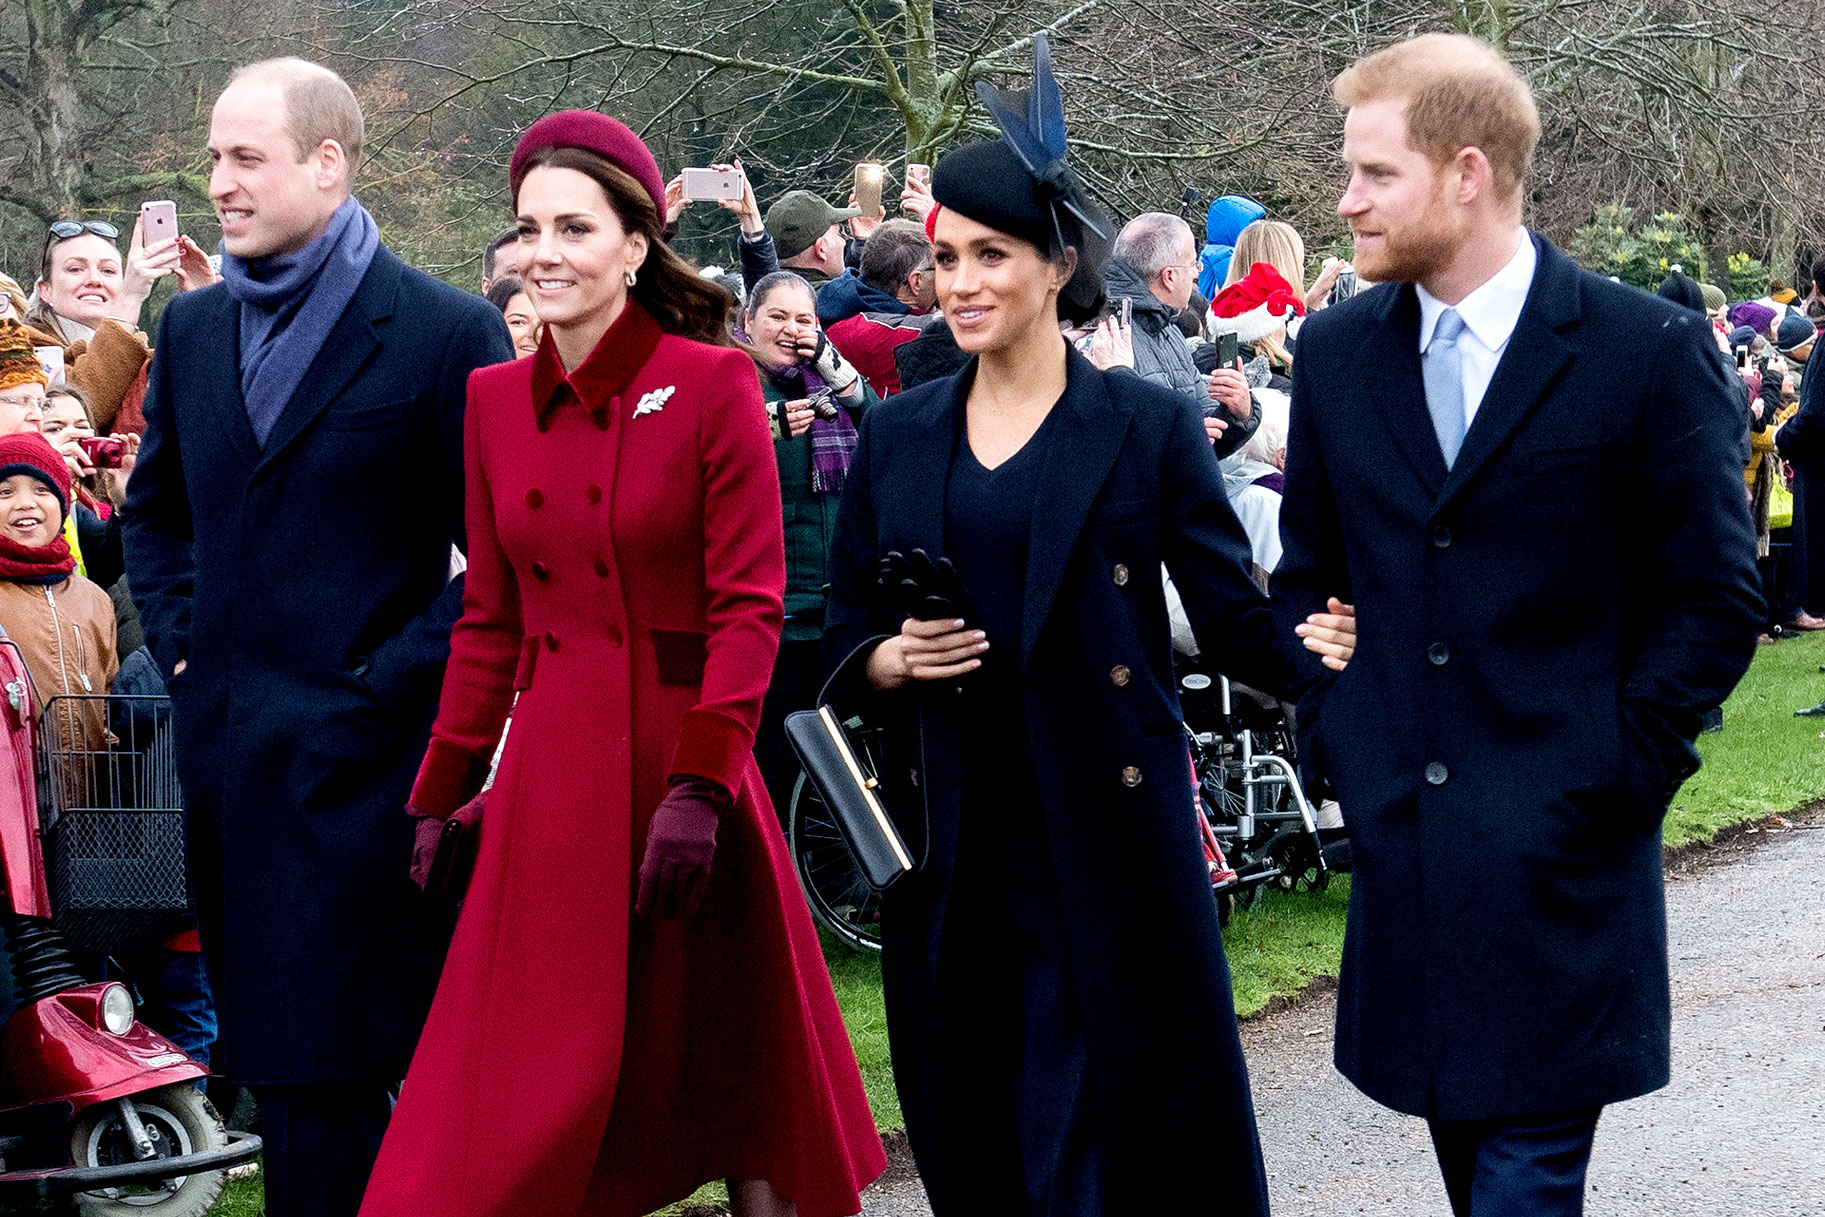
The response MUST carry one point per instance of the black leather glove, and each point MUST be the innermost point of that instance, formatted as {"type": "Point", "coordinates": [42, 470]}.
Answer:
{"type": "Point", "coordinates": [926, 589]}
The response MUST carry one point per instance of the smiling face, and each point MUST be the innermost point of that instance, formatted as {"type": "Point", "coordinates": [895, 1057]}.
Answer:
{"type": "Point", "coordinates": [575, 252]}
{"type": "Point", "coordinates": [781, 322]}
{"type": "Point", "coordinates": [82, 278]}
{"type": "Point", "coordinates": [22, 409]}
{"type": "Point", "coordinates": [269, 201]}
{"type": "Point", "coordinates": [29, 511]}
{"type": "Point", "coordinates": [1399, 203]}
{"type": "Point", "coordinates": [995, 291]}
{"type": "Point", "coordinates": [522, 324]}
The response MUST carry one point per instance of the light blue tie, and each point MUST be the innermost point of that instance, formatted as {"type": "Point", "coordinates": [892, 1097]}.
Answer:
{"type": "Point", "coordinates": [1444, 375]}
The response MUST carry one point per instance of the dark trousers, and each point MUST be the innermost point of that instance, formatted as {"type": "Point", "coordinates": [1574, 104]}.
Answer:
{"type": "Point", "coordinates": [797, 677]}
{"type": "Point", "coordinates": [320, 1145]}
{"type": "Point", "coordinates": [1807, 554]}
{"type": "Point", "coordinates": [1527, 1167]}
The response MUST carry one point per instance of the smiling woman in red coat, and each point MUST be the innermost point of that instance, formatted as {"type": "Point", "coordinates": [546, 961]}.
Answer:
{"type": "Point", "coordinates": [635, 1002]}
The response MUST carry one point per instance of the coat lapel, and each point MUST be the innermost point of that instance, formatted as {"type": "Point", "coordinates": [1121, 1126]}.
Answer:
{"type": "Point", "coordinates": [1389, 359]}
{"type": "Point", "coordinates": [218, 381]}
{"type": "Point", "coordinates": [925, 464]}
{"type": "Point", "coordinates": [352, 341]}
{"type": "Point", "coordinates": [1533, 360]}
{"type": "Point", "coordinates": [1090, 432]}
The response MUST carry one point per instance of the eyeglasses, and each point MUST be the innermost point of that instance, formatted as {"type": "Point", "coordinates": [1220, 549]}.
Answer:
{"type": "Point", "coordinates": [22, 403]}
{"type": "Point", "coordinates": [63, 230]}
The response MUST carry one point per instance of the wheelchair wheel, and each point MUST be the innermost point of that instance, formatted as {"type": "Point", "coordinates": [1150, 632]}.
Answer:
{"type": "Point", "coordinates": [840, 897]}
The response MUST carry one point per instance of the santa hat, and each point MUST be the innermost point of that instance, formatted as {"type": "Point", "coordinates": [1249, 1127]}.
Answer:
{"type": "Point", "coordinates": [1255, 305]}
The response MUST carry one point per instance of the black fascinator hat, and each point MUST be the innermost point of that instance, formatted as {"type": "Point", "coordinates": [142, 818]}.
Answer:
{"type": "Point", "coordinates": [1022, 184]}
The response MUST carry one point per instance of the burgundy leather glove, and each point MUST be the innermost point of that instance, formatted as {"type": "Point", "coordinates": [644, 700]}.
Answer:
{"type": "Point", "coordinates": [444, 848]}
{"type": "Point", "coordinates": [679, 845]}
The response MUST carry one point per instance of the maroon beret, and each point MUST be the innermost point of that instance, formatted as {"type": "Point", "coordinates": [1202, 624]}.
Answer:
{"type": "Point", "coordinates": [607, 137]}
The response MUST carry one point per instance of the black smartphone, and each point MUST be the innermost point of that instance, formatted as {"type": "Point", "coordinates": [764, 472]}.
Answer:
{"type": "Point", "coordinates": [1742, 358]}
{"type": "Point", "coordinates": [1226, 350]}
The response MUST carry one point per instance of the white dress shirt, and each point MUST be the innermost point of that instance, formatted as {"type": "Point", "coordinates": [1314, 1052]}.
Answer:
{"type": "Point", "coordinates": [1490, 314]}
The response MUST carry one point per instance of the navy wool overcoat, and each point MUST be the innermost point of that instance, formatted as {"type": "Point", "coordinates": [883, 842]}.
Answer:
{"type": "Point", "coordinates": [1130, 482]}
{"type": "Point", "coordinates": [1541, 627]}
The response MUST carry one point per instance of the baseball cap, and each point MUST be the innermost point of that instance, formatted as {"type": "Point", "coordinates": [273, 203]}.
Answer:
{"type": "Point", "coordinates": [798, 218]}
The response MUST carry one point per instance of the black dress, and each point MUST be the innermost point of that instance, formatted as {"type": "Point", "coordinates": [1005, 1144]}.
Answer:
{"type": "Point", "coordinates": [1018, 1119]}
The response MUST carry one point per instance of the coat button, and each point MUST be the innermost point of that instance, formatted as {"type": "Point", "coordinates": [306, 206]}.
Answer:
{"type": "Point", "coordinates": [1118, 675]}
{"type": "Point", "coordinates": [1441, 537]}
{"type": "Point", "coordinates": [1436, 774]}
{"type": "Point", "coordinates": [534, 499]}
{"type": "Point", "coordinates": [540, 571]}
{"type": "Point", "coordinates": [593, 494]}
{"type": "Point", "coordinates": [1438, 654]}
{"type": "Point", "coordinates": [1131, 776]}
{"type": "Point", "coordinates": [551, 641]}
{"type": "Point", "coordinates": [1120, 575]}
{"type": "Point", "coordinates": [601, 569]}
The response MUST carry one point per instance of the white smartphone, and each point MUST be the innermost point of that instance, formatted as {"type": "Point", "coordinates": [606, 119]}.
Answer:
{"type": "Point", "coordinates": [710, 185]}
{"type": "Point", "coordinates": [158, 222]}
{"type": "Point", "coordinates": [51, 360]}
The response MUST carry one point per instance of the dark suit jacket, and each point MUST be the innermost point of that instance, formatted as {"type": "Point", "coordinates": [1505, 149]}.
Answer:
{"type": "Point", "coordinates": [1541, 628]}
{"type": "Point", "coordinates": [1801, 439]}
{"type": "Point", "coordinates": [1129, 482]}
{"type": "Point", "coordinates": [307, 584]}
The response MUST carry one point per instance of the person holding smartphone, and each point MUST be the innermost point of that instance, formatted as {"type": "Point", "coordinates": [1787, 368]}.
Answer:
{"type": "Point", "coordinates": [1064, 1034]}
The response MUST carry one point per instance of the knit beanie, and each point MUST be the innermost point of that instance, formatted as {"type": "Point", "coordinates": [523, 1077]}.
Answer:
{"type": "Point", "coordinates": [18, 361]}
{"type": "Point", "coordinates": [1714, 296]}
{"type": "Point", "coordinates": [1752, 314]}
{"type": "Point", "coordinates": [1682, 290]}
{"type": "Point", "coordinates": [1795, 332]}
{"type": "Point", "coordinates": [31, 454]}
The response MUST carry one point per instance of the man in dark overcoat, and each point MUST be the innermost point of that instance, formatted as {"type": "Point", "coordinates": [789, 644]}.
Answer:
{"type": "Point", "coordinates": [289, 531]}
{"type": "Point", "coordinates": [1527, 477]}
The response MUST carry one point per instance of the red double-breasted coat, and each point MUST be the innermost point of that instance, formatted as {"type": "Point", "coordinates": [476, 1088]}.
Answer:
{"type": "Point", "coordinates": [626, 567]}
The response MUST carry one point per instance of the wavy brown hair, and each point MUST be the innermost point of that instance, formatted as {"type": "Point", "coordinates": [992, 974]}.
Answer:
{"type": "Point", "coordinates": [669, 288]}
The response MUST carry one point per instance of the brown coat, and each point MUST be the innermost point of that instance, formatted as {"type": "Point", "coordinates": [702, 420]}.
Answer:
{"type": "Point", "coordinates": [109, 366]}
{"type": "Point", "coordinates": [66, 634]}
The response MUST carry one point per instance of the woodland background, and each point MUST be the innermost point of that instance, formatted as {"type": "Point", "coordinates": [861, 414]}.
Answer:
{"type": "Point", "coordinates": [1676, 132]}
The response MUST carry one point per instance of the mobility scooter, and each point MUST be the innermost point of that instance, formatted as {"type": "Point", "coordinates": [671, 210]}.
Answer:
{"type": "Point", "coordinates": [98, 1112]}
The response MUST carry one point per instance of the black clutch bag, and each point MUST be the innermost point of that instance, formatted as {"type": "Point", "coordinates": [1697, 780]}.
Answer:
{"type": "Point", "coordinates": [845, 779]}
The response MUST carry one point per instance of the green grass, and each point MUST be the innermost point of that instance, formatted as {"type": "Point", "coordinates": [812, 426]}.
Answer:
{"type": "Point", "coordinates": [1765, 761]}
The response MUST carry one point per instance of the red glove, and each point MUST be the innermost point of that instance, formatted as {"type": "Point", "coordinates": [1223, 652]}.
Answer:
{"type": "Point", "coordinates": [679, 845]}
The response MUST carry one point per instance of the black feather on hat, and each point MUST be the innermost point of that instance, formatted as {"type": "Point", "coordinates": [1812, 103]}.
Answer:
{"type": "Point", "coordinates": [1022, 184]}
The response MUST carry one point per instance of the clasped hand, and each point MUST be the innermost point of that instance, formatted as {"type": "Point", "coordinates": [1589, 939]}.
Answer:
{"type": "Point", "coordinates": [947, 649]}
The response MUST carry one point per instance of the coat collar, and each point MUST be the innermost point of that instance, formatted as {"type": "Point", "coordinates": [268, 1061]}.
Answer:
{"type": "Point", "coordinates": [1090, 430]}
{"type": "Point", "coordinates": [1537, 354]}
{"type": "Point", "coordinates": [598, 382]}
{"type": "Point", "coordinates": [351, 343]}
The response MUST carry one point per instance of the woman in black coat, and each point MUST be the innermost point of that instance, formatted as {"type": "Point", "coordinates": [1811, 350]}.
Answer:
{"type": "Point", "coordinates": [1058, 1001]}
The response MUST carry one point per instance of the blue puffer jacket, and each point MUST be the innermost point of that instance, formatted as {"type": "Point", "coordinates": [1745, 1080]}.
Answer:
{"type": "Point", "coordinates": [1227, 217]}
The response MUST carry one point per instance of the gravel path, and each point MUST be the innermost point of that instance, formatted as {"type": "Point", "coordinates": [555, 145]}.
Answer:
{"type": "Point", "coordinates": [1739, 1133]}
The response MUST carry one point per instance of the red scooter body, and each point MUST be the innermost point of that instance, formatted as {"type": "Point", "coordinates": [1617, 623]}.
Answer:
{"type": "Point", "coordinates": [21, 860]}
{"type": "Point", "coordinates": [57, 1049]}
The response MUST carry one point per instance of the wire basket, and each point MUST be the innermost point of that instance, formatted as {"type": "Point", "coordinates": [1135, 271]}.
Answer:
{"type": "Point", "coordinates": [113, 819]}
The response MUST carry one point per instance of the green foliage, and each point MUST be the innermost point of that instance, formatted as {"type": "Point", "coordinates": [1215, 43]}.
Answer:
{"type": "Point", "coordinates": [1617, 243]}
{"type": "Point", "coordinates": [1765, 760]}
{"type": "Point", "coordinates": [1748, 277]}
